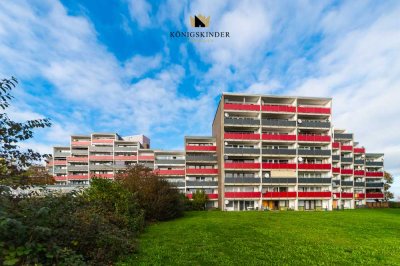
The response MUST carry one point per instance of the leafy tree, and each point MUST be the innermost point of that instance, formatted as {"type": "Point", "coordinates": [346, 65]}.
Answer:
{"type": "Point", "coordinates": [200, 200]}
{"type": "Point", "coordinates": [13, 160]}
{"type": "Point", "coordinates": [389, 180]}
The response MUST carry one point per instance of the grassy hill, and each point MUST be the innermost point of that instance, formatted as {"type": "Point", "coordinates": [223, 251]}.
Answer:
{"type": "Point", "coordinates": [274, 238]}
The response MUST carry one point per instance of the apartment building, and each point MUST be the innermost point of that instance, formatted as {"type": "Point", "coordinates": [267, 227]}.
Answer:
{"type": "Point", "coordinates": [265, 152]}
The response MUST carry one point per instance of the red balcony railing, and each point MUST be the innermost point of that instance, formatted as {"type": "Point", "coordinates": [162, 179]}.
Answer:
{"type": "Point", "coordinates": [238, 106]}
{"type": "Point", "coordinates": [359, 150]}
{"type": "Point", "coordinates": [102, 140]}
{"type": "Point", "coordinates": [278, 165]}
{"type": "Point", "coordinates": [125, 158]}
{"type": "Point", "coordinates": [359, 172]}
{"type": "Point", "coordinates": [60, 178]}
{"type": "Point", "coordinates": [374, 174]}
{"type": "Point", "coordinates": [201, 148]}
{"type": "Point", "coordinates": [101, 158]}
{"type": "Point", "coordinates": [336, 145]}
{"type": "Point", "coordinates": [202, 171]}
{"type": "Point", "coordinates": [243, 165]}
{"type": "Point", "coordinates": [279, 195]}
{"type": "Point", "coordinates": [102, 176]}
{"type": "Point", "coordinates": [314, 138]}
{"type": "Point", "coordinates": [170, 172]}
{"type": "Point", "coordinates": [346, 148]}
{"type": "Point", "coordinates": [278, 108]}
{"type": "Point", "coordinates": [359, 195]}
{"type": "Point", "coordinates": [336, 194]}
{"type": "Point", "coordinates": [78, 177]}
{"type": "Point", "coordinates": [242, 194]}
{"type": "Point", "coordinates": [336, 170]}
{"type": "Point", "coordinates": [314, 110]}
{"type": "Point", "coordinates": [146, 158]}
{"type": "Point", "coordinates": [346, 171]}
{"type": "Point", "coordinates": [347, 195]}
{"type": "Point", "coordinates": [58, 162]}
{"type": "Point", "coordinates": [80, 143]}
{"type": "Point", "coordinates": [210, 196]}
{"type": "Point", "coordinates": [245, 136]}
{"type": "Point", "coordinates": [278, 137]}
{"type": "Point", "coordinates": [77, 159]}
{"type": "Point", "coordinates": [315, 166]}
{"type": "Point", "coordinates": [314, 194]}
{"type": "Point", "coordinates": [375, 195]}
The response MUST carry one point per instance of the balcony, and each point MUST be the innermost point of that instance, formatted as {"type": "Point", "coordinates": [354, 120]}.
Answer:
{"type": "Point", "coordinates": [335, 145]}
{"type": "Point", "coordinates": [314, 152]}
{"type": "Point", "coordinates": [146, 158]}
{"type": "Point", "coordinates": [77, 159]}
{"type": "Point", "coordinates": [346, 159]}
{"type": "Point", "coordinates": [359, 195]}
{"type": "Point", "coordinates": [201, 158]}
{"type": "Point", "coordinates": [177, 184]}
{"type": "Point", "coordinates": [359, 172]}
{"type": "Point", "coordinates": [125, 158]}
{"type": "Point", "coordinates": [105, 176]}
{"type": "Point", "coordinates": [278, 108]}
{"type": "Point", "coordinates": [241, 151]}
{"type": "Point", "coordinates": [200, 148]}
{"type": "Point", "coordinates": [101, 158]}
{"type": "Point", "coordinates": [126, 149]}
{"type": "Point", "coordinates": [82, 168]}
{"type": "Point", "coordinates": [314, 166]}
{"type": "Point", "coordinates": [79, 152]}
{"type": "Point", "coordinates": [102, 141]}
{"type": "Point", "coordinates": [313, 138]}
{"type": "Point", "coordinates": [194, 171]}
{"type": "Point", "coordinates": [234, 195]}
{"type": "Point", "coordinates": [347, 183]}
{"type": "Point", "coordinates": [374, 184]}
{"type": "Point", "coordinates": [242, 165]}
{"type": "Point", "coordinates": [359, 162]}
{"type": "Point", "coordinates": [278, 123]}
{"type": "Point", "coordinates": [241, 180]}
{"type": "Point", "coordinates": [313, 110]}
{"type": "Point", "coordinates": [318, 194]}
{"type": "Point", "coordinates": [359, 184]}
{"type": "Point", "coordinates": [279, 151]}
{"type": "Point", "coordinates": [101, 148]}
{"type": "Point", "coordinates": [278, 165]}
{"type": "Point", "coordinates": [60, 171]}
{"type": "Point", "coordinates": [375, 195]}
{"type": "Point", "coordinates": [242, 136]}
{"type": "Point", "coordinates": [61, 154]}
{"type": "Point", "coordinates": [379, 164]}
{"type": "Point", "coordinates": [169, 161]}
{"type": "Point", "coordinates": [346, 171]}
{"type": "Point", "coordinates": [275, 195]}
{"type": "Point", "coordinates": [336, 170]}
{"type": "Point", "coordinates": [314, 124]}
{"type": "Point", "coordinates": [343, 136]}
{"type": "Point", "coordinates": [102, 167]}
{"type": "Point", "coordinates": [60, 178]}
{"type": "Point", "coordinates": [201, 183]}
{"type": "Point", "coordinates": [346, 148]}
{"type": "Point", "coordinates": [58, 162]}
{"type": "Point", "coordinates": [336, 183]}
{"type": "Point", "coordinates": [170, 172]}
{"type": "Point", "coordinates": [279, 180]}
{"type": "Point", "coordinates": [241, 121]}
{"type": "Point", "coordinates": [359, 150]}
{"type": "Point", "coordinates": [78, 177]}
{"type": "Point", "coordinates": [315, 180]}
{"type": "Point", "coordinates": [242, 107]}
{"type": "Point", "coordinates": [347, 195]}
{"type": "Point", "coordinates": [279, 137]}
{"type": "Point", "coordinates": [336, 158]}
{"type": "Point", "coordinates": [374, 174]}
{"type": "Point", "coordinates": [210, 196]}
{"type": "Point", "coordinates": [80, 143]}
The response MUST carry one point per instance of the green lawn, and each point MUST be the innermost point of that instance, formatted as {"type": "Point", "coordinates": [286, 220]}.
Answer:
{"type": "Point", "coordinates": [263, 238]}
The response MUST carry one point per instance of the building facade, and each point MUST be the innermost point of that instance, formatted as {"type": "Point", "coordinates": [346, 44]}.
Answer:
{"type": "Point", "coordinates": [265, 152]}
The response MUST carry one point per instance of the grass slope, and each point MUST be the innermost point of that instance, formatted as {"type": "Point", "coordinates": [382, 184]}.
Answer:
{"type": "Point", "coordinates": [274, 238]}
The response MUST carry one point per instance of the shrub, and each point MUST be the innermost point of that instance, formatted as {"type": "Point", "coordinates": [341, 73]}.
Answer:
{"type": "Point", "coordinates": [159, 200]}
{"type": "Point", "coordinates": [199, 200]}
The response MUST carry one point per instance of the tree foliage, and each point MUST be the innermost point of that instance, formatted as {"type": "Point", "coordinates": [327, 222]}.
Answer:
{"type": "Point", "coordinates": [389, 180]}
{"type": "Point", "coordinates": [199, 200]}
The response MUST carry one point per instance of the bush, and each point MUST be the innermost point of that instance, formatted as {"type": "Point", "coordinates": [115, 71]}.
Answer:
{"type": "Point", "coordinates": [94, 227]}
{"type": "Point", "coordinates": [199, 200]}
{"type": "Point", "coordinates": [159, 200]}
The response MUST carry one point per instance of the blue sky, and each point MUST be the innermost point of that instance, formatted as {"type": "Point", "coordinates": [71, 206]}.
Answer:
{"type": "Point", "coordinates": [111, 66]}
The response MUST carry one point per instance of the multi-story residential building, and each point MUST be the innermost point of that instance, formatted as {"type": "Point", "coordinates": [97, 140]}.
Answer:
{"type": "Point", "coordinates": [266, 152]}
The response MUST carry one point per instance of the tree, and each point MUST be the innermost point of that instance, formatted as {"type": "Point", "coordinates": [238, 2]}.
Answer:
{"type": "Point", "coordinates": [200, 200]}
{"type": "Point", "coordinates": [13, 160]}
{"type": "Point", "coordinates": [389, 180]}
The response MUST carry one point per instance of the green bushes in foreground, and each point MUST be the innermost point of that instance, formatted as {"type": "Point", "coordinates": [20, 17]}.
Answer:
{"type": "Point", "coordinates": [96, 226]}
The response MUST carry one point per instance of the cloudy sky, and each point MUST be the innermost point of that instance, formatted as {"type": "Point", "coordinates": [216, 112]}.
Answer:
{"type": "Point", "coordinates": [112, 66]}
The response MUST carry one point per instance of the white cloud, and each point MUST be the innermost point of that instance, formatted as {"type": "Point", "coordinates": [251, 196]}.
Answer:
{"type": "Point", "coordinates": [140, 12]}
{"type": "Point", "coordinates": [139, 65]}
